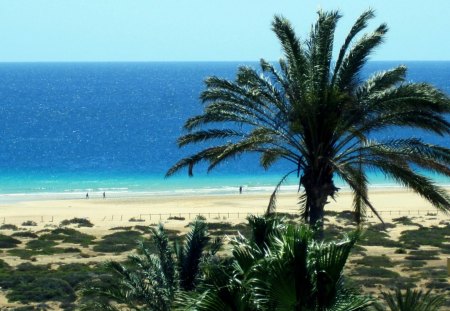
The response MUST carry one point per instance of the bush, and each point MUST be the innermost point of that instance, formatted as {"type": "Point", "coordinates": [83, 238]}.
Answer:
{"type": "Point", "coordinates": [434, 236]}
{"type": "Point", "coordinates": [24, 234]}
{"type": "Point", "coordinates": [374, 237]}
{"type": "Point", "coordinates": [423, 255]}
{"type": "Point", "coordinates": [81, 222]}
{"type": "Point", "coordinates": [176, 218]}
{"type": "Point", "coordinates": [8, 227]}
{"type": "Point", "coordinates": [8, 242]}
{"type": "Point", "coordinates": [29, 223]}
{"type": "Point", "coordinates": [42, 290]}
{"type": "Point", "coordinates": [375, 272]}
{"type": "Point", "coordinates": [406, 221]}
{"type": "Point", "coordinates": [375, 261]}
{"type": "Point", "coordinates": [68, 235]}
{"type": "Point", "coordinates": [133, 219]}
{"type": "Point", "coordinates": [118, 242]}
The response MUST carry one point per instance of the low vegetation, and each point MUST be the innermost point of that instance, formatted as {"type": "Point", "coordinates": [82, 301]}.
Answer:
{"type": "Point", "coordinates": [118, 242]}
{"type": "Point", "coordinates": [81, 222]}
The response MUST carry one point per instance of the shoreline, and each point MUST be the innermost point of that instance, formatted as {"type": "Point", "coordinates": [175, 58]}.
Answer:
{"type": "Point", "coordinates": [13, 198]}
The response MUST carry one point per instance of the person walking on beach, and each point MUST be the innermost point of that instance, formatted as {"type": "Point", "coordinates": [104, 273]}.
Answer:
{"type": "Point", "coordinates": [87, 195]}
{"type": "Point", "coordinates": [240, 189]}
{"type": "Point", "coordinates": [104, 195]}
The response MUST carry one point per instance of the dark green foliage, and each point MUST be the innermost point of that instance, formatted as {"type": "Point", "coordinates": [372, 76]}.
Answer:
{"type": "Point", "coordinates": [8, 227]}
{"type": "Point", "coordinates": [29, 283]}
{"type": "Point", "coordinates": [118, 242]}
{"type": "Point", "coordinates": [333, 232]}
{"type": "Point", "coordinates": [68, 235]}
{"type": "Point", "coordinates": [42, 290]}
{"type": "Point", "coordinates": [434, 236]}
{"type": "Point", "coordinates": [190, 254]}
{"type": "Point", "coordinates": [81, 222]}
{"type": "Point", "coordinates": [71, 250]}
{"type": "Point", "coordinates": [422, 255]}
{"type": "Point", "coordinates": [144, 229]}
{"type": "Point", "coordinates": [413, 264]}
{"type": "Point", "coordinates": [289, 271]}
{"type": "Point", "coordinates": [176, 218]}
{"type": "Point", "coordinates": [413, 300]}
{"type": "Point", "coordinates": [400, 251]}
{"type": "Point", "coordinates": [376, 237]}
{"type": "Point", "coordinates": [375, 272]}
{"type": "Point", "coordinates": [40, 244]}
{"type": "Point", "coordinates": [391, 283]}
{"type": "Point", "coordinates": [29, 223]}
{"type": "Point", "coordinates": [24, 234]}
{"type": "Point", "coordinates": [134, 219]}
{"type": "Point", "coordinates": [375, 261]}
{"type": "Point", "coordinates": [8, 242]}
{"type": "Point", "coordinates": [317, 115]}
{"type": "Point", "coordinates": [4, 266]}
{"type": "Point", "coordinates": [406, 221]}
{"type": "Point", "coordinates": [149, 281]}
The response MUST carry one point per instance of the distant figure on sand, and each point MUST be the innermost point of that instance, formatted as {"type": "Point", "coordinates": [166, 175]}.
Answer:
{"type": "Point", "coordinates": [104, 195]}
{"type": "Point", "coordinates": [87, 195]}
{"type": "Point", "coordinates": [240, 189]}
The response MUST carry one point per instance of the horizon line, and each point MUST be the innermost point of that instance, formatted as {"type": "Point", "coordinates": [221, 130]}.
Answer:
{"type": "Point", "coordinates": [191, 61]}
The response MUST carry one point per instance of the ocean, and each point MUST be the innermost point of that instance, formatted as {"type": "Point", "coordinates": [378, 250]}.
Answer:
{"type": "Point", "coordinates": [72, 128]}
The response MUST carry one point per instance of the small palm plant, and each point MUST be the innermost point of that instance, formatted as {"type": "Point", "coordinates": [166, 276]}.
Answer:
{"type": "Point", "coordinates": [412, 300]}
{"type": "Point", "coordinates": [150, 281]}
{"type": "Point", "coordinates": [291, 271]}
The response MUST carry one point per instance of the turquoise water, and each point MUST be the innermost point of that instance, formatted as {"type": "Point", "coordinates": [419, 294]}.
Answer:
{"type": "Point", "coordinates": [72, 128]}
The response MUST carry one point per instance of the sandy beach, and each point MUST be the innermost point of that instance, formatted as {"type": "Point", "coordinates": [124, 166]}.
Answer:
{"type": "Point", "coordinates": [119, 208]}
{"type": "Point", "coordinates": [125, 210]}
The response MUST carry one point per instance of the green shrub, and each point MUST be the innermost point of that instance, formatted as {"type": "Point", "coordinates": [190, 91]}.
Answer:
{"type": "Point", "coordinates": [68, 235]}
{"type": "Point", "coordinates": [176, 218]}
{"type": "Point", "coordinates": [81, 222]}
{"type": "Point", "coordinates": [406, 221]}
{"type": "Point", "coordinates": [434, 236]}
{"type": "Point", "coordinates": [118, 242]}
{"type": "Point", "coordinates": [8, 227]}
{"type": "Point", "coordinates": [40, 244]}
{"type": "Point", "coordinates": [375, 261]}
{"type": "Point", "coordinates": [376, 272]}
{"type": "Point", "coordinates": [375, 237]}
{"type": "Point", "coordinates": [24, 234]}
{"type": "Point", "coordinates": [41, 290]}
{"type": "Point", "coordinates": [423, 255]}
{"type": "Point", "coordinates": [29, 223]}
{"type": "Point", "coordinates": [8, 242]}
{"type": "Point", "coordinates": [400, 251]}
{"type": "Point", "coordinates": [411, 264]}
{"type": "Point", "coordinates": [133, 219]}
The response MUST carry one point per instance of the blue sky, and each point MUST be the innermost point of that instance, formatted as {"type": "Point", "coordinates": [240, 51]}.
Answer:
{"type": "Point", "coordinates": [203, 30]}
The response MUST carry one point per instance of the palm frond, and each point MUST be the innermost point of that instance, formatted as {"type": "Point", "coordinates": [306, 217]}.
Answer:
{"type": "Point", "coordinates": [347, 76]}
{"type": "Point", "coordinates": [273, 197]}
{"type": "Point", "coordinates": [358, 26]}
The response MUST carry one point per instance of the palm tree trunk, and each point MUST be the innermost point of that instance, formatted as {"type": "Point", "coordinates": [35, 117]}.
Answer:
{"type": "Point", "coordinates": [317, 192]}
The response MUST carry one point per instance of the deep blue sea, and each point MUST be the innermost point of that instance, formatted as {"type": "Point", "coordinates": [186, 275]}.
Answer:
{"type": "Point", "coordinates": [77, 127]}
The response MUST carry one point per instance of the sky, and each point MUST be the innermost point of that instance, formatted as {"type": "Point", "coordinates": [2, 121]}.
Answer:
{"type": "Point", "coordinates": [204, 30]}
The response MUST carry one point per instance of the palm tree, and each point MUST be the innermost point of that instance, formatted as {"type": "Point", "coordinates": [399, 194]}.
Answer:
{"type": "Point", "coordinates": [291, 271]}
{"type": "Point", "coordinates": [319, 116]}
{"type": "Point", "coordinates": [150, 281]}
